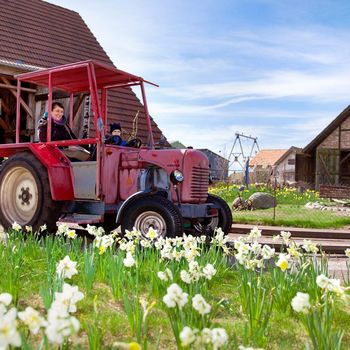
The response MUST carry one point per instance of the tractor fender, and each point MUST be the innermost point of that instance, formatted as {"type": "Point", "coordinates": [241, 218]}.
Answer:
{"type": "Point", "coordinates": [134, 197]}
{"type": "Point", "coordinates": [59, 171]}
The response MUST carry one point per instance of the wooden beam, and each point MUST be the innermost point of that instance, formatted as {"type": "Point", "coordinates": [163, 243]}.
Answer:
{"type": "Point", "coordinates": [345, 158]}
{"type": "Point", "coordinates": [15, 88]}
{"type": "Point", "coordinates": [55, 96]}
{"type": "Point", "coordinates": [5, 107]}
{"type": "Point", "coordinates": [3, 124]}
{"type": "Point", "coordinates": [78, 103]}
{"type": "Point", "coordinates": [23, 104]}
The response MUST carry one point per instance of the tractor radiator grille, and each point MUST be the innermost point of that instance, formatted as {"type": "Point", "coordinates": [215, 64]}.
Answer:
{"type": "Point", "coordinates": [199, 184]}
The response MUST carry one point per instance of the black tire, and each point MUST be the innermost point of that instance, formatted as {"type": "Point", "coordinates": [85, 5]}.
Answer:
{"type": "Point", "coordinates": [153, 211]}
{"type": "Point", "coordinates": [224, 220]}
{"type": "Point", "coordinates": [25, 195]}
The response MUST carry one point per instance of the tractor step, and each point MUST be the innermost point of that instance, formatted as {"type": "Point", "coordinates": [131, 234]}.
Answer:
{"type": "Point", "coordinates": [75, 220]}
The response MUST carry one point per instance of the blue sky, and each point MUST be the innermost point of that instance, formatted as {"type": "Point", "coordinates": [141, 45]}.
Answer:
{"type": "Point", "coordinates": [277, 70]}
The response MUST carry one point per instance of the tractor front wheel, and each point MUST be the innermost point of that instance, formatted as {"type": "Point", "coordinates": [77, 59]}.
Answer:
{"type": "Point", "coordinates": [153, 211]}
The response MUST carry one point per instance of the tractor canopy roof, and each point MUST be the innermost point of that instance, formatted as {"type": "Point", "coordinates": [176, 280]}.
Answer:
{"type": "Point", "coordinates": [77, 77]}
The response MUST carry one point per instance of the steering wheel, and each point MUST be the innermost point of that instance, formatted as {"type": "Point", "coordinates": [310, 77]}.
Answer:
{"type": "Point", "coordinates": [135, 143]}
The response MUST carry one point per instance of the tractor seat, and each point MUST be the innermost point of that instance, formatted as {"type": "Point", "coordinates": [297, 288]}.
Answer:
{"type": "Point", "coordinates": [77, 152]}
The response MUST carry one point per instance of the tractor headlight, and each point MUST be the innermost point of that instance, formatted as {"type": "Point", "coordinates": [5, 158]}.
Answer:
{"type": "Point", "coordinates": [176, 177]}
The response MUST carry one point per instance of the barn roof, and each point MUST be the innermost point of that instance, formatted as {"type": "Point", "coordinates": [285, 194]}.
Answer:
{"type": "Point", "coordinates": [37, 34]}
{"type": "Point", "coordinates": [327, 130]}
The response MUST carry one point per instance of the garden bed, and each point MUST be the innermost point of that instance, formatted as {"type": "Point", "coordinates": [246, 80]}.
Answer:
{"type": "Point", "coordinates": [147, 292]}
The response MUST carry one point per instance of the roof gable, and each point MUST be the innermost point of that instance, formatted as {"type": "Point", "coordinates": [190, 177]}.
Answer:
{"type": "Point", "coordinates": [327, 131]}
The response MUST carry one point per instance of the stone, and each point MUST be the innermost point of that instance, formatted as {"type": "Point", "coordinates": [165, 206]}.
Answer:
{"type": "Point", "coordinates": [262, 200]}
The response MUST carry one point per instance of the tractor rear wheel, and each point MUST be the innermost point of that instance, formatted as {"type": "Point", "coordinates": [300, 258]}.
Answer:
{"type": "Point", "coordinates": [25, 195]}
{"type": "Point", "coordinates": [153, 211]}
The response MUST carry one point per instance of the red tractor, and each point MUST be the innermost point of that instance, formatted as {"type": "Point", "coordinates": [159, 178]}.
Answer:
{"type": "Point", "coordinates": [137, 186]}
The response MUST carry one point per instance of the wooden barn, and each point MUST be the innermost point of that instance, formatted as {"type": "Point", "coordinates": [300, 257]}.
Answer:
{"type": "Point", "coordinates": [36, 34]}
{"type": "Point", "coordinates": [326, 159]}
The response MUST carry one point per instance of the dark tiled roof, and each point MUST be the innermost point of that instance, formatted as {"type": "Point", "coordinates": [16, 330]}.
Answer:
{"type": "Point", "coordinates": [37, 33]}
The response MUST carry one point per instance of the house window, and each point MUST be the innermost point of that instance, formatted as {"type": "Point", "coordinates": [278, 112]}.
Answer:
{"type": "Point", "coordinates": [291, 161]}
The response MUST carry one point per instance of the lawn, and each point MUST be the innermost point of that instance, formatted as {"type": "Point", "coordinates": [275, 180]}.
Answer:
{"type": "Point", "coordinates": [69, 293]}
{"type": "Point", "coordinates": [290, 211]}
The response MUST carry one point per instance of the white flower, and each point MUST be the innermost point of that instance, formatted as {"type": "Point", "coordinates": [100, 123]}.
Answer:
{"type": "Point", "coordinates": [66, 268]}
{"type": "Point", "coordinates": [267, 252]}
{"type": "Point", "coordinates": [187, 336]}
{"type": "Point", "coordinates": [283, 262]}
{"type": "Point", "coordinates": [285, 236]}
{"type": "Point", "coordinates": [60, 326]}
{"type": "Point", "coordinates": [219, 237]}
{"type": "Point", "coordinates": [191, 254]}
{"type": "Point", "coordinates": [322, 281]}
{"type": "Point", "coordinates": [67, 299]}
{"type": "Point", "coordinates": [16, 226]}
{"type": "Point", "coordinates": [129, 261]}
{"type": "Point", "coordinates": [254, 233]}
{"type": "Point", "coordinates": [200, 305]}
{"type": "Point", "coordinates": [8, 330]}
{"type": "Point", "coordinates": [5, 299]}
{"type": "Point", "coordinates": [167, 275]}
{"type": "Point", "coordinates": [71, 234]}
{"type": "Point", "coordinates": [347, 252]}
{"type": "Point", "coordinates": [209, 271]}
{"type": "Point", "coordinates": [276, 238]}
{"type": "Point", "coordinates": [175, 296]}
{"type": "Point", "coordinates": [62, 229]}
{"type": "Point", "coordinates": [32, 319]}
{"type": "Point", "coordinates": [185, 277]}
{"type": "Point", "coordinates": [330, 284]}
{"type": "Point", "coordinates": [29, 229]}
{"type": "Point", "coordinates": [293, 250]}
{"type": "Point", "coordinates": [219, 338]}
{"type": "Point", "coordinates": [205, 337]}
{"type": "Point", "coordinates": [42, 228]}
{"type": "Point", "coordinates": [301, 302]}
{"type": "Point", "coordinates": [309, 246]}
{"type": "Point", "coordinates": [152, 234]}
{"type": "Point", "coordinates": [145, 243]}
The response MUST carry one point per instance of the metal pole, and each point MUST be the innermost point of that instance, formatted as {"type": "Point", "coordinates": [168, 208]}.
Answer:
{"type": "Point", "coordinates": [49, 104]}
{"type": "Point", "coordinates": [18, 111]}
{"type": "Point", "coordinates": [71, 102]}
{"type": "Point", "coordinates": [274, 198]}
{"type": "Point", "coordinates": [148, 119]}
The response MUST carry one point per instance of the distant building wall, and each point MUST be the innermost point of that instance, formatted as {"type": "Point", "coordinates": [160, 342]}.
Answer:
{"type": "Point", "coordinates": [218, 165]}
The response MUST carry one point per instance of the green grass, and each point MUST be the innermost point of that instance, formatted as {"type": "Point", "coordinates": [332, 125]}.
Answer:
{"type": "Point", "coordinates": [294, 216]}
{"type": "Point", "coordinates": [290, 210]}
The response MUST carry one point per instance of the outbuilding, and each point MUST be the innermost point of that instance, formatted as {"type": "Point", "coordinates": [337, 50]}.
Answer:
{"type": "Point", "coordinates": [326, 159]}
